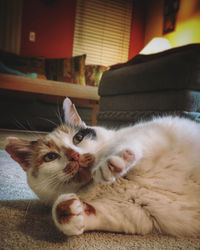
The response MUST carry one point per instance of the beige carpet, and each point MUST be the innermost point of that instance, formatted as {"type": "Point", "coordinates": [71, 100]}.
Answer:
{"type": "Point", "coordinates": [25, 223]}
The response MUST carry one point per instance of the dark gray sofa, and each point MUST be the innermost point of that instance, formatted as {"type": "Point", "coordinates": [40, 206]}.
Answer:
{"type": "Point", "coordinates": [151, 85]}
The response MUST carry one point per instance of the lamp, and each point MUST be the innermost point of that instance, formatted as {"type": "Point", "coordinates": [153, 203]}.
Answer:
{"type": "Point", "coordinates": [157, 44]}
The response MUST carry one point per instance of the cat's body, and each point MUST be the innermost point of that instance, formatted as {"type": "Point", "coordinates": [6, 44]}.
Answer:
{"type": "Point", "coordinates": [159, 161]}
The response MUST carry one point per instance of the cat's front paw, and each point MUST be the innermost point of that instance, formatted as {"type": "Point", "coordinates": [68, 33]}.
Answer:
{"type": "Point", "coordinates": [68, 214]}
{"type": "Point", "coordinates": [115, 166]}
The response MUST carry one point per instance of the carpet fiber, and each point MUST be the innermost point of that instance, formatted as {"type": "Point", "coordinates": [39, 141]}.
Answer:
{"type": "Point", "coordinates": [25, 223]}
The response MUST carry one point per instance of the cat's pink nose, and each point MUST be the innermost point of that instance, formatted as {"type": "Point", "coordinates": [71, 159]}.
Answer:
{"type": "Point", "coordinates": [73, 155]}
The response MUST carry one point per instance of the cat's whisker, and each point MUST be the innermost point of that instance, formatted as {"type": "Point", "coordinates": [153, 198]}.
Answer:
{"type": "Point", "coordinates": [52, 122]}
{"type": "Point", "coordinates": [55, 180]}
{"type": "Point", "coordinates": [30, 126]}
{"type": "Point", "coordinates": [20, 125]}
{"type": "Point", "coordinates": [32, 133]}
{"type": "Point", "coordinates": [58, 114]}
{"type": "Point", "coordinates": [28, 205]}
{"type": "Point", "coordinates": [45, 119]}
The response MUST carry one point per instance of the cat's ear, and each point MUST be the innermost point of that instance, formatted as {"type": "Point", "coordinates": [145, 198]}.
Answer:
{"type": "Point", "coordinates": [20, 150]}
{"type": "Point", "coordinates": [71, 115]}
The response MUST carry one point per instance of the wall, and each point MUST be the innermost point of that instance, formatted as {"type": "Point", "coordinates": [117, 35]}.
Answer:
{"type": "Point", "coordinates": [154, 20]}
{"type": "Point", "coordinates": [137, 28]}
{"type": "Point", "coordinates": [187, 25]}
{"type": "Point", "coordinates": [53, 25]}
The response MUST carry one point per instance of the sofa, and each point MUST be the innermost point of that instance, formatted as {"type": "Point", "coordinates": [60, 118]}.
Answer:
{"type": "Point", "coordinates": [151, 85]}
{"type": "Point", "coordinates": [32, 90]}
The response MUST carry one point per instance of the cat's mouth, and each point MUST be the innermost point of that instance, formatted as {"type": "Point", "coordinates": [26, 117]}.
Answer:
{"type": "Point", "coordinates": [80, 170]}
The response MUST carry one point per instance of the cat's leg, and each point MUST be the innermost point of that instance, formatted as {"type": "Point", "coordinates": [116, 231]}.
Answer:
{"type": "Point", "coordinates": [114, 166]}
{"type": "Point", "coordinates": [73, 216]}
{"type": "Point", "coordinates": [68, 214]}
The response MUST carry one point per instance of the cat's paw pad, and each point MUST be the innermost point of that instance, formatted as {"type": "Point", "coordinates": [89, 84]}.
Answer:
{"type": "Point", "coordinates": [68, 214]}
{"type": "Point", "coordinates": [114, 167]}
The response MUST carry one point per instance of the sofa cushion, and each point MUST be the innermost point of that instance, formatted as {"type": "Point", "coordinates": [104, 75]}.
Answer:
{"type": "Point", "coordinates": [71, 70]}
{"type": "Point", "coordinates": [153, 101]}
{"type": "Point", "coordinates": [93, 74]}
{"type": "Point", "coordinates": [23, 64]}
{"type": "Point", "coordinates": [177, 68]}
{"type": "Point", "coordinates": [74, 70]}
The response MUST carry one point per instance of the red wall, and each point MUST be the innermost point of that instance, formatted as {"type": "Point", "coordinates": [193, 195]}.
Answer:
{"type": "Point", "coordinates": [53, 25]}
{"type": "Point", "coordinates": [137, 28]}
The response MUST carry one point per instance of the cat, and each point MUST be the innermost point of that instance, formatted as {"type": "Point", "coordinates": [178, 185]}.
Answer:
{"type": "Point", "coordinates": [135, 180]}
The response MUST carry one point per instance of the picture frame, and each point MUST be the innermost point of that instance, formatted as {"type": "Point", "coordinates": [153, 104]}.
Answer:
{"type": "Point", "coordinates": [171, 8]}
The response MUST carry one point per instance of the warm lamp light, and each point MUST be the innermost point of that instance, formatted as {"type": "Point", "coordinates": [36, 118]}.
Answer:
{"type": "Point", "coordinates": [156, 45]}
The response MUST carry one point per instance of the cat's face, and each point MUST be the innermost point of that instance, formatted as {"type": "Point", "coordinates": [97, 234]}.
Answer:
{"type": "Point", "coordinates": [58, 162]}
{"type": "Point", "coordinates": [61, 161]}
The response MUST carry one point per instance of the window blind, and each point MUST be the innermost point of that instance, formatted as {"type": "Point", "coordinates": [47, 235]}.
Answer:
{"type": "Point", "coordinates": [102, 30]}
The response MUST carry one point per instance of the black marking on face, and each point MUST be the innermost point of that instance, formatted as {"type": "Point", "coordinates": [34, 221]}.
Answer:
{"type": "Point", "coordinates": [82, 133]}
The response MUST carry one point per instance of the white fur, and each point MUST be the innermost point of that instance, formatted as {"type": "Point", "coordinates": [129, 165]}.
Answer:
{"type": "Point", "coordinates": [76, 225]}
{"type": "Point", "coordinates": [161, 189]}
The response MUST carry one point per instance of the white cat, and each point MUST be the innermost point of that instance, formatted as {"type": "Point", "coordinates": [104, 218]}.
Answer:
{"type": "Point", "coordinates": [135, 180]}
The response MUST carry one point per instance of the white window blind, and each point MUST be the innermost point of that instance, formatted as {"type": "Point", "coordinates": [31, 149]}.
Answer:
{"type": "Point", "coordinates": [102, 30]}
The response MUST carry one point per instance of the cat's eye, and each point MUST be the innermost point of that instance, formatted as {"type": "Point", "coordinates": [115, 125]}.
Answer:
{"type": "Point", "coordinates": [82, 133]}
{"type": "Point", "coordinates": [50, 157]}
{"type": "Point", "coordinates": [78, 138]}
